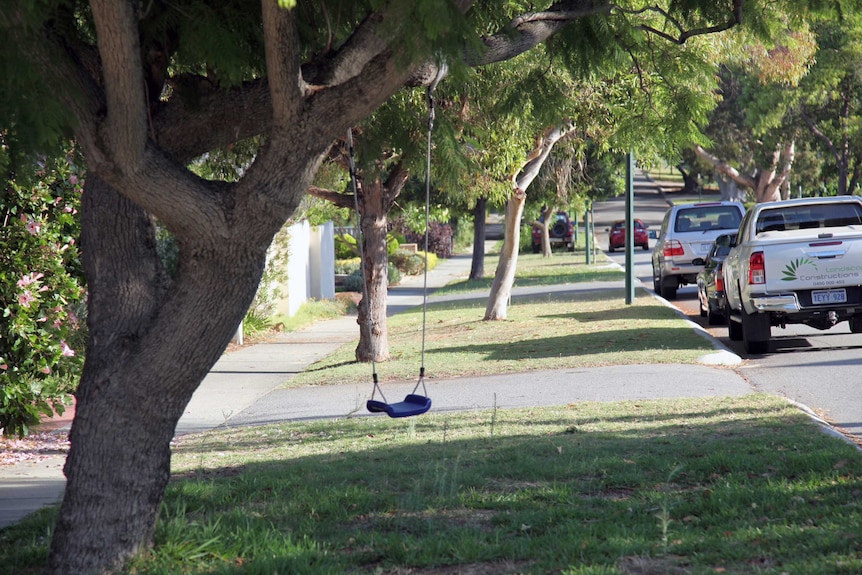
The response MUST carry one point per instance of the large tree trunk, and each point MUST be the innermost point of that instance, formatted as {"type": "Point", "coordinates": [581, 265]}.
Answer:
{"type": "Point", "coordinates": [477, 264]}
{"type": "Point", "coordinates": [152, 340]}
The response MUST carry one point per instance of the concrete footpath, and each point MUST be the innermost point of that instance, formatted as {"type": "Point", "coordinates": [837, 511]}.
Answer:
{"type": "Point", "coordinates": [244, 386]}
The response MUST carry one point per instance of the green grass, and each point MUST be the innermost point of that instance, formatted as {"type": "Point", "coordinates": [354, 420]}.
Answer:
{"type": "Point", "coordinates": [579, 329]}
{"type": "Point", "coordinates": [732, 485]}
{"type": "Point", "coordinates": [697, 486]}
{"type": "Point", "coordinates": [312, 311]}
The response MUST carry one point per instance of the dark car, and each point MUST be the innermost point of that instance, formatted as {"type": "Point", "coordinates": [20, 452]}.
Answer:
{"type": "Point", "coordinates": [710, 282]}
{"type": "Point", "coordinates": [617, 236]}
{"type": "Point", "coordinates": [561, 232]}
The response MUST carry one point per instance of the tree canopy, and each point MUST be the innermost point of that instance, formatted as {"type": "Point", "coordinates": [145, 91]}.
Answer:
{"type": "Point", "coordinates": [145, 88]}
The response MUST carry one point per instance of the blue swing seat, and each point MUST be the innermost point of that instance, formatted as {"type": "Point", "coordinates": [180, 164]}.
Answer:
{"type": "Point", "coordinates": [413, 404]}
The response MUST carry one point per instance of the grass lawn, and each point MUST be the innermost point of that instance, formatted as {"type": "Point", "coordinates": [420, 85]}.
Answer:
{"type": "Point", "coordinates": [736, 485]}
{"type": "Point", "coordinates": [588, 327]}
{"type": "Point", "coordinates": [698, 486]}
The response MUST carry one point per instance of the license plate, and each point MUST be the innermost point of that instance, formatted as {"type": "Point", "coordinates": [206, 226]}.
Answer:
{"type": "Point", "coordinates": [703, 248]}
{"type": "Point", "coordinates": [828, 296]}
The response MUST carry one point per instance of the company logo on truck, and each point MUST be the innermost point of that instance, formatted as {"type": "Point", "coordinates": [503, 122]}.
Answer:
{"type": "Point", "coordinates": [828, 275]}
{"type": "Point", "coordinates": [791, 271]}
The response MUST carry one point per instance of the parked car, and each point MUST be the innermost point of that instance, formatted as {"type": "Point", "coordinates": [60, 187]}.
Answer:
{"type": "Point", "coordinates": [795, 262]}
{"type": "Point", "coordinates": [686, 236]}
{"type": "Point", "coordinates": [617, 236]}
{"type": "Point", "coordinates": [710, 281]}
{"type": "Point", "coordinates": [561, 232]}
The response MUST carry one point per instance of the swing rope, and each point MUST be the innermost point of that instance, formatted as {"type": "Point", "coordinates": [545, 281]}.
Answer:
{"type": "Point", "coordinates": [441, 72]}
{"type": "Point", "coordinates": [360, 241]}
{"type": "Point", "coordinates": [413, 404]}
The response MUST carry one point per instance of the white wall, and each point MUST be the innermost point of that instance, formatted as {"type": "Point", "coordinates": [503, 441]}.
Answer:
{"type": "Point", "coordinates": [310, 267]}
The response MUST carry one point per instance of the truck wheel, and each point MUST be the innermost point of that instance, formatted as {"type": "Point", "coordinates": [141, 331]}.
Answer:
{"type": "Point", "coordinates": [668, 287]}
{"type": "Point", "coordinates": [755, 332]}
{"type": "Point", "coordinates": [536, 248]}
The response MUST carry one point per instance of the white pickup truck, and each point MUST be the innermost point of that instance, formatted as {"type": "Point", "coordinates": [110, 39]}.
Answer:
{"type": "Point", "coordinates": [795, 261]}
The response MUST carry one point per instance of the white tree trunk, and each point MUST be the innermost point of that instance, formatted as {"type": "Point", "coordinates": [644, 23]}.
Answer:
{"type": "Point", "coordinates": [501, 289]}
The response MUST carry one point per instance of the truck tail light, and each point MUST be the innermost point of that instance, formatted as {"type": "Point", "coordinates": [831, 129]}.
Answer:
{"type": "Point", "coordinates": [719, 281]}
{"type": "Point", "coordinates": [756, 269]}
{"type": "Point", "coordinates": [673, 248]}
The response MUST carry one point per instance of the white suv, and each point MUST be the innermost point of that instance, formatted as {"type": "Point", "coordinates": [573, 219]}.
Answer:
{"type": "Point", "coordinates": [686, 236]}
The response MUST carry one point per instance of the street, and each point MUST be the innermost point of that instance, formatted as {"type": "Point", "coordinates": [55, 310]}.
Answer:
{"type": "Point", "coordinates": [816, 368]}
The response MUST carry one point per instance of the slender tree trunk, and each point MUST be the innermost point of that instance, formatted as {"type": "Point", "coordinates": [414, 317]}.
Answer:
{"type": "Point", "coordinates": [151, 342]}
{"type": "Point", "coordinates": [504, 277]}
{"type": "Point", "coordinates": [689, 182]}
{"type": "Point", "coordinates": [477, 265]}
{"type": "Point", "coordinates": [373, 328]}
{"type": "Point", "coordinates": [545, 226]}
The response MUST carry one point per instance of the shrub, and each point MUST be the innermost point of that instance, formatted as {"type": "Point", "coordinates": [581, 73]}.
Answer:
{"type": "Point", "coordinates": [393, 276]}
{"type": "Point", "coordinates": [42, 333]}
{"type": "Point", "coordinates": [353, 282]}
{"type": "Point", "coordinates": [440, 236]}
{"type": "Point", "coordinates": [345, 247]}
{"type": "Point", "coordinates": [409, 263]}
{"type": "Point", "coordinates": [347, 266]}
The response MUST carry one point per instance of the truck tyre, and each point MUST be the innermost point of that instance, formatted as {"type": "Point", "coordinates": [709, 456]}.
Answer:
{"type": "Point", "coordinates": [755, 332]}
{"type": "Point", "coordinates": [668, 287]}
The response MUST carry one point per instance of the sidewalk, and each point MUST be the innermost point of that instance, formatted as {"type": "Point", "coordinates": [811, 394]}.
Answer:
{"type": "Point", "coordinates": [244, 387]}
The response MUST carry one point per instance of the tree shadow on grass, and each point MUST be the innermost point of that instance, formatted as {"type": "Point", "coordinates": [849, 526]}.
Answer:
{"type": "Point", "coordinates": [599, 342]}
{"type": "Point", "coordinates": [396, 496]}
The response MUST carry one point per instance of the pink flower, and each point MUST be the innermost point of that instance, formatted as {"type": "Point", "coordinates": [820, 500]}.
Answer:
{"type": "Point", "coordinates": [46, 370]}
{"type": "Point", "coordinates": [34, 227]}
{"type": "Point", "coordinates": [29, 279]}
{"type": "Point", "coordinates": [73, 179]}
{"type": "Point", "coordinates": [67, 351]}
{"type": "Point", "coordinates": [25, 299]}
{"type": "Point", "coordinates": [4, 366]}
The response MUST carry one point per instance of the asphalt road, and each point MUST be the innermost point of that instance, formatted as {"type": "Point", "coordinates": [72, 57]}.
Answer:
{"type": "Point", "coordinates": [820, 369]}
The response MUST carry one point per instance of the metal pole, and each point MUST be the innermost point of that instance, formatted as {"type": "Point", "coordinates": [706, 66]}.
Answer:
{"type": "Point", "coordinates": [630, 227]}
{"type": "Point", "coordinates": [588, 240]}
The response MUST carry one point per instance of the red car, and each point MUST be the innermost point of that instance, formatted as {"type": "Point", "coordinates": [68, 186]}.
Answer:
{"type": "Point", "coordinates": [617, 237]}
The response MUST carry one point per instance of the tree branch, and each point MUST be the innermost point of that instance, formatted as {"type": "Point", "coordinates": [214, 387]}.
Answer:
{"type": "Point", "coordinates": [341, 200]}
{"type": "Point", "coordinates": [281, 45]}
{"type": "Point", "coordinates": [724, 168]}
{"type": "Point", "coordinates": [683, 34]}
{"type": "Point", "coordinates": [125, 125]}
{"type": "Point", "coordinates": [819, 134]}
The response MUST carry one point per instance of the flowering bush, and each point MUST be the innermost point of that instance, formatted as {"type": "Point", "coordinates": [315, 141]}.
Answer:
{"type": "Point", "coordinates": [41, 294]}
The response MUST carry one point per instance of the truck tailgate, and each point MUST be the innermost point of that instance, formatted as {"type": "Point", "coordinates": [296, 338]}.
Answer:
{"type": "Point", "coordinates": [794, 261]}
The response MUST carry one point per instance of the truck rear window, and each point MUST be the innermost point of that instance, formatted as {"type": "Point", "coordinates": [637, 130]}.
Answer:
{"type": "Point", "coordinates": [706, 218]}
{"type": "Point", "coordinates": [810, 217]}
